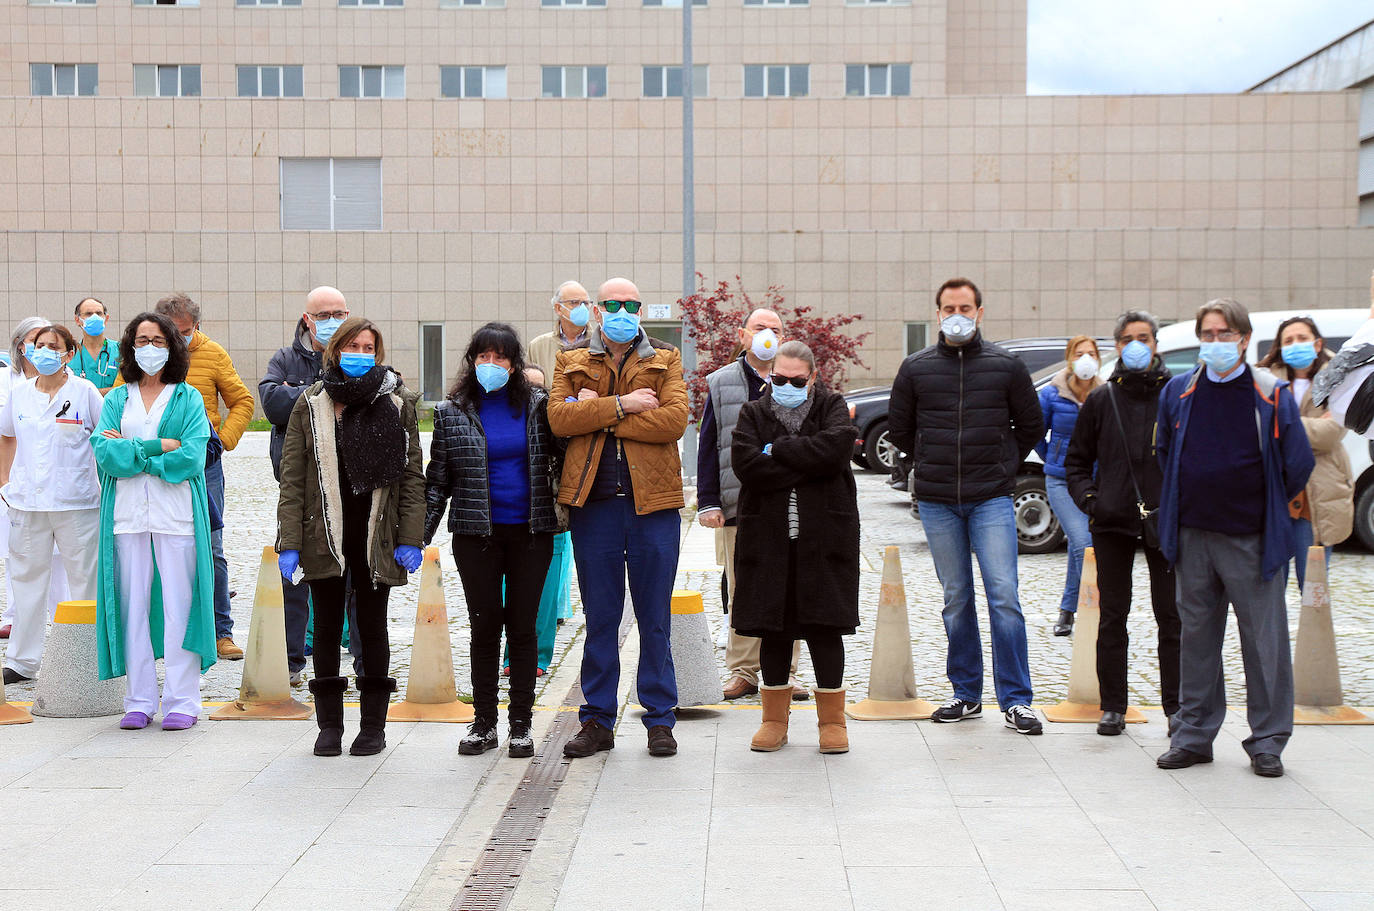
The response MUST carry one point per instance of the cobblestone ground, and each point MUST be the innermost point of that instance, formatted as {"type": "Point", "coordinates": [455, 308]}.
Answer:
{"type": "Point", "coordinates": [250, 517]}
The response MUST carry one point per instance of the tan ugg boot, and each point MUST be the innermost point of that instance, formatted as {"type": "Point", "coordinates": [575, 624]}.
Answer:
{"type": "Point", "coordinates": [830, 720]}
{"type": "Point", "coordinates": [772, 734]}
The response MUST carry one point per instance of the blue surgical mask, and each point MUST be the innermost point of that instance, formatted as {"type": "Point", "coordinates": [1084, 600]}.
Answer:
{"type": "Point", "coordinates": [1136, 355]}
{"type": "Point", "coordinates": [325, 329]}
{"type": "Point", "coordinates": [150, 358]}
{"type": "Point", "coordinates": [46, 361]}
{"type": "Point", "coordinates": [620, 327]}
{"type": "Point", "coordinates": [93, 325]}
{"type": "Point", "coordinates": [187, 338]}
{"type": "Point", "coordinates": [1299, 354]}
{"type": "Point", "coordinates": [355, 363]}
{"type": "Point", "coordinates": [492, 376]}
{"type": "Point", "coordinates": [28, 351]}
{"type": "Point", "coordinates": [580, 315]}
{"type": "Point", "coordinates": [1220, 356]}
{"type": "Point", "coordinates": [790, 396]}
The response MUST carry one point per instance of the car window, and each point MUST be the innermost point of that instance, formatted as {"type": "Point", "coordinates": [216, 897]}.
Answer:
{"type": "Point", "coordinates": [1037, 359]}
{"type": "Point", "coordinates": [1181, 360]}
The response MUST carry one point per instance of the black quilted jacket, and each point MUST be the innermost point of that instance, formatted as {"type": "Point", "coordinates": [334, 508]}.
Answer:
{"type": "Point", "coordinates": [458, 469]}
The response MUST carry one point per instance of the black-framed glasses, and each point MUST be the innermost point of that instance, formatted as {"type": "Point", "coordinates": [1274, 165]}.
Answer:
{"type": "Point", "coordinates": [614, 306]}
{"type": "Point", "coordinates": [798, 381]}
{"type": "Point", "coordinates": [329, 314]}
{"type": "Point", "coordinates": [143, 341]}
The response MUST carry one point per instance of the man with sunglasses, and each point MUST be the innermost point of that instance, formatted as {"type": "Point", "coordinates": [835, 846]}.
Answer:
{"type": "Point", "coordinates": [292, 370]}
{"type": "Point", "coordinates": [620, 399]}
{"type": "Point", "coordinates": [730, 388]}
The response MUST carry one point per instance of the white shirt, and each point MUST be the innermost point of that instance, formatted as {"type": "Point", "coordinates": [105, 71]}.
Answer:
{"type": "Point", "coordinates": [54, 467]}
{"type": "Point", "coordinates": [144, 503]}
{"type": "Point", "coordinates": [1300, 387]}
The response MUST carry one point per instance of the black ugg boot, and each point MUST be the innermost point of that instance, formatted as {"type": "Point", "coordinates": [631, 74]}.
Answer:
{"type": "Point", "coordinates": [375, 695]}
{"type": "Point", "coordinates": [328, 693]}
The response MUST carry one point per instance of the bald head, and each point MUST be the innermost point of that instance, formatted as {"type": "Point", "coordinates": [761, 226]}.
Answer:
{"type": "Point", "coordinates": [323, 303]}
{"type": "Point", "coordinates": [617, 289]}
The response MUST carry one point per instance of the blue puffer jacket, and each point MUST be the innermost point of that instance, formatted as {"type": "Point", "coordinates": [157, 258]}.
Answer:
{"type": "Point", "coordinates": [1060, 408]}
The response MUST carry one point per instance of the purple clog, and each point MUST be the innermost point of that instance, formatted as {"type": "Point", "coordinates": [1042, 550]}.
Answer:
{"type": "Point", "coordinates": [175, 721]}
{"type": "Point", "coordinates": [134, 721]}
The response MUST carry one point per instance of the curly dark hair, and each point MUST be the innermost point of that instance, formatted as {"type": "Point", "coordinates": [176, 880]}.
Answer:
{"type": "Point", "coordinates": [178, 356]}
{"type": "Point", "coordinates": [1274, 356]}
{"type": "Point", "coordinates": [505, 341]}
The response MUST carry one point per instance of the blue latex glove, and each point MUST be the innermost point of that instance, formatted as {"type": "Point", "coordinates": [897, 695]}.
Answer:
{"type": "Point", "coordinates": [287, 562]}
{"type": "Point", "coordinates": [768, 449]}
{"type": "Point", "coordinates": [409, 557]}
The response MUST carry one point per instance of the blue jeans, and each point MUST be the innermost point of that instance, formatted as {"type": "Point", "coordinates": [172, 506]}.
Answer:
{"type": "Point", "coordinates": [1075, 525]}
{"type": "Point", "coordinates": [214, 488]}
{"type": "Point", "coordinates": [986, 528]}
{"type": "Point", "coordinates": [1302, 539]}
{"type": "Point", "coordinates": [609, 537]}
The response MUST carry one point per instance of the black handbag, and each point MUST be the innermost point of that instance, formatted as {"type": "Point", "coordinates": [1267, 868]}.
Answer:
{"type": "Point", "coordinates": [1149, 518]}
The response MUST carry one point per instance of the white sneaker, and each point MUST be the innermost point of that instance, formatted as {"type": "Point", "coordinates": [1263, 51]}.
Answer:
{"type": "Point", "coordinates": [723, 637]}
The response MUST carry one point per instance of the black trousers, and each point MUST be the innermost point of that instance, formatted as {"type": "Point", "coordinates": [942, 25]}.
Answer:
{"type": "Point", "coordinates": [827, 659]}
{"type": "Point", "coordinates": [330, 597]}
{"type": "Point", "coordinates": [1115, 559]}
{"type": "Point", "coordinates": [503, 577]}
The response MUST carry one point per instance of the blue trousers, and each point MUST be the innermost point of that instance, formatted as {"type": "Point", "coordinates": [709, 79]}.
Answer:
{"type": "Point", "coordinates": [608, 539]}
{"type": "Point", "coordinates": [1075, 525]}
{"type": "Point", "coordinates": [214, 487]}
{"type": "Point", "coordinates": [1302, 539]}
{"type": "Point", "coordinates": [986, 528]}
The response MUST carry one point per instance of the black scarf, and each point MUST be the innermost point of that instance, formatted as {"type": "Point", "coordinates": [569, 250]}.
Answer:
{"type": "Point", "coordinates": [372, 442]}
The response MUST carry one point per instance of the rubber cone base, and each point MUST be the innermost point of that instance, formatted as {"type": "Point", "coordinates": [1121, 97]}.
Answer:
{"type": "Point", "coordinates": [455, 712]}
{"type": "Point", "coordinates": [288, 710]}
{"type": "Point", "coordinates": [881, 710]}
{"type": "Point", "coordinates": [13, 714]}
{"type": "Point", "coordinates": [1080, 713]}
{"type": "Point", "coordinates": [1321, 714]}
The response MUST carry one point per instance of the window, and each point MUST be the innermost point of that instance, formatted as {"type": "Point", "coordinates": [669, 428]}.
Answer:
{"type": "Point", "coordinates": [167, 80]}
{"type": "Point", "coordinates": [584, 3]}
{"type": "Point", "coordinates": [453, 4]}
{"type": "Point", "coordinates": [675, 4]}
{"type": "Point", "coordinates": [877, 2]}
{"type": "Point", "coordinates": [331, 194]}
{"type": "Point", "coordinates": [917, 337]}
{"type": "Point", "coordinates": [777, 2]}
{"type": "Point", "coordinates": [268, 2]}
{"type": "Point", "coordinates": [166, 2]}
{"type": "Point", "coordinates": [62, 78]}
{"type": "Point", "coordinates": [432, 362]}
{"type": "Point", "coordinates": [670, 332]}
{"type": "Point", "coordinates": [776, 80]}
{"type": "Point", "coordinates": [472, 81]}
{"type": "Point", "coordinates": [574, 82]}
{"type": "Point", "coordinates": [372, 82]}
{"type": "Point", "coordinates": [271, 82]}
{"type": "Point", "coordinates": [666, 81]}
{"type": "Point", "coordinates": [877, 79]}
{"type": "Point", "coordinates": [392, 3]}
{"type": "Point", "coordinates": [59, 2]}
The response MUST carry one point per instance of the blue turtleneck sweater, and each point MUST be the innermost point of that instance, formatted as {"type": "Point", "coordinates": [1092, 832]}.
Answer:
{"type": "Point", "coordinates": [508, 473]}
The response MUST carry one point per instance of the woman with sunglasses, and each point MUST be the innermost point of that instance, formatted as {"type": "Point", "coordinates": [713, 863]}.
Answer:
{"type": "Point", "coordinates": [1324, 513]}
{"type": "Point", "coordinates": [154, 526]}
{"type": "Point", "coordinates": [797, 551]}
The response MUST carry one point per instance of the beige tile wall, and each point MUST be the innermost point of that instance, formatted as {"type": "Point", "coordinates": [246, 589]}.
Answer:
{"type": "Point", "coordinates": [985, 44]}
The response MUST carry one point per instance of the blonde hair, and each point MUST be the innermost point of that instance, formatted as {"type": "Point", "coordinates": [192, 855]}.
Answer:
{"type": "Point", "coordinates": [1075, 342]}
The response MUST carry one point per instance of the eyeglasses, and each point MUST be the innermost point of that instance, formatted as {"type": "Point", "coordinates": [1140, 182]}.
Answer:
{"type": "Point", "coordinates": [329, 314]}
{"type": "Point", "coordinates": [798, 381]}
{"type": "Point", "coordinates": [578, 303]}
{"type": "Point", "coordinates": [143, 341]}
{"type": "Point", "coordinates": [1226, 335]}
{"type": "Point", "coordinates": [614, 306]}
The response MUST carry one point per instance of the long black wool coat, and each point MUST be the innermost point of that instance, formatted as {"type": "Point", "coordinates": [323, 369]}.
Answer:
{"type": "Point", "coordinates": [815, 462]}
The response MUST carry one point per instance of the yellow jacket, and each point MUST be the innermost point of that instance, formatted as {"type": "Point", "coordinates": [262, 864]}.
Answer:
{"type": "Point", "coordinates": [213, 375]}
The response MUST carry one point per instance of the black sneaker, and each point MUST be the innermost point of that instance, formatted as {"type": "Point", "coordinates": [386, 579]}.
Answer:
{"type": "Point", "coordinates": [521, 743]}
{"type": "Point", "coordinates": [957, 710]}
{"type": "Point", "coordinates": [481, 736]}
{"type": "Point", "coordinates": [1022, 720]}
{"type": "Point", "coordinates": [593, 738]}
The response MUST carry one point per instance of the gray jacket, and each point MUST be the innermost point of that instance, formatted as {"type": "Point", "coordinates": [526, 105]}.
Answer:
{"type": "Point", "coordinates": [729, 394]}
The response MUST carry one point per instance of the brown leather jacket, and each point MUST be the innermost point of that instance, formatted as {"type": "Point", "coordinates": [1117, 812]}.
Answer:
{"type": "Point", "coordinates": [650, 437]}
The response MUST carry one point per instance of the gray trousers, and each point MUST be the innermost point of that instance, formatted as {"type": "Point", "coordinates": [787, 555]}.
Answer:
{"type": "Point", "coordinates": [1215, 569]}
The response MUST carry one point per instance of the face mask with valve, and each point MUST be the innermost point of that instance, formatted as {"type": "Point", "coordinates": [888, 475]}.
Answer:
{"type": "Point", "coordinates": [765, 344]}
{"type": "Point", "coordinates": [958, 328]}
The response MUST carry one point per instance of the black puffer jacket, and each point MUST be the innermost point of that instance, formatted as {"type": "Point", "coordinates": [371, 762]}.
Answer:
{"type": "Point", "coordinates": [967, 415]}
{"type": "Point", "coordinates": [1098, 466]}
{"type": "Point", "coordinates": [291, 371]}
{"type": "Point", "coordinates": [458, 469]}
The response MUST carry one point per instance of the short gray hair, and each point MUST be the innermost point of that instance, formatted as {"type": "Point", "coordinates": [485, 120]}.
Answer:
{"type": "Point", "coordinates": [179, 304]}
{"type": "Point", "coordinates": [558, 292]}
{"type": "Point", "coordinates": [1135, 316]}
{"type": "Point", "coordinates": [26, 325]}
{"type": "Point", "coordinates": [1231, 310]}
{"type": "Point", "coordinates": [799, 350]}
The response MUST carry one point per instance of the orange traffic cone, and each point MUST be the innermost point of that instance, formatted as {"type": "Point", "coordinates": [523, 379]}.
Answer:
{"type": "Point", "coordinates": [265, 691]}
{"type": "Point", "coordinates": [1316, 671]}
{"type": "Point", "coordinates": [431, 694]}
{"type": "Point", "coordinates": [891, 675]}
{"type": "Point", "coordinates": [1085, 699]}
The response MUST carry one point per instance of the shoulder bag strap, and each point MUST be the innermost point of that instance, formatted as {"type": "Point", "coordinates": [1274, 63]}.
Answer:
{"type": "Point", "coordinates": [1116, 411]}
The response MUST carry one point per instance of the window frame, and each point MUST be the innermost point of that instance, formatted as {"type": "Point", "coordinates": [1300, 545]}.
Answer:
{"type": "Point", "coordinates": [572, 4]}
{"type": "Point", "coordinates": [267, 4]}
{"type": "Point", "coordinates": [383, 70]}
{"type": "Point", "coordinates": [868, 73]}
{"type": "Point", "coordinates": [443, 356]}
{"type": "Point", "coordinates": [157, 80]}
{"type": "Point", "coordinates": [922, 327]}
{"type": "Point", "coordinates": [777, 4]}
{"type": "Point", "coordinates": [371, 4]}
{"type": "Point", "coordinates": [76, 92]}
{"type": "Point", "coordinates": [563, 68]}
{"type": "Point", "coordinates": [281, 192]}
{"type": "Point", "coordinates": [281, 69]}
{"type": "Point", "coordinates": [485, 69]}
{"type": "Point", "coordinates": [701, 69]}
{"type": "Point", "coordinates": [787, 69]}
{"type": "Point", "coordinates": [191, 3]}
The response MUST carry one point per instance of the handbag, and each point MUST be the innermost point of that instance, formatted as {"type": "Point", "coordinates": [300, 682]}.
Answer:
{"type": "Point", "coordinates": [1149, 518]}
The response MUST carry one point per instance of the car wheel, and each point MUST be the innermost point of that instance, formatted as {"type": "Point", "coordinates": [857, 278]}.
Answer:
{"type": "Point", "coordinates": [1037, 529]}
{"type": "Point", "coordinates": [1364, 517]}
{"type": "Point", "coordinates": [878, 449]}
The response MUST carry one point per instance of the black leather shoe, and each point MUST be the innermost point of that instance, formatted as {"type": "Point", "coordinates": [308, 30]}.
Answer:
{"type": "Point", "coordinates": [12, 676]}
{"type": "Point", "coordinates": [661, 742]}
{"type": "Point", "coordinates": [1267, 765]}
{"type": "Point", "coordinates": [1064, 625]}
{"type": "Point", "coordinates": [1112, 723]}
{"type": "Point", "coordinates": [481, 736]}
{"type": "Point", "coordinates": [1179, 758]}
{"type": "Point", "coordinates": [593, 738]}
{"type": "Point", "coordinates": [521, 744]}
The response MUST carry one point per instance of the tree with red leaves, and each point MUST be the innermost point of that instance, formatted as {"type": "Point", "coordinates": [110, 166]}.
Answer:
{"type": "Point", "coordinates": [711, 317]}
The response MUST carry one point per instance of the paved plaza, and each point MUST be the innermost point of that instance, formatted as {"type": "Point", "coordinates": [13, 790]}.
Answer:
{"type": "Point", "coordinates": [242, 816]}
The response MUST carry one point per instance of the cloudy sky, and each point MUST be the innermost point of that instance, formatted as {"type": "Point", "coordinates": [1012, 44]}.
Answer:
{"type": "Point", "coordinates": [1169, 46]}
